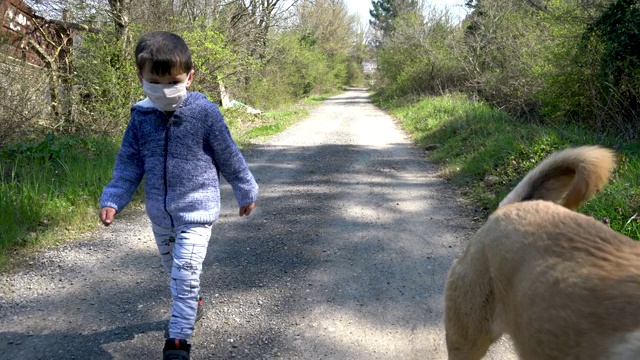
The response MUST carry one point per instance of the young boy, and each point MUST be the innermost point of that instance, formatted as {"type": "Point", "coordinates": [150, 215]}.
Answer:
{"type": "Point", "coordinates": [181, 144]}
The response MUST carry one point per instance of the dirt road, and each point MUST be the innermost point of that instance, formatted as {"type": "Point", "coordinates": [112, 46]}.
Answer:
{"type": "Point", "coordinates": [344, 257]}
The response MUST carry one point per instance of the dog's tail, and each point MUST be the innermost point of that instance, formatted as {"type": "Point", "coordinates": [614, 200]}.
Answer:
{"type": "Point", "coordinates": [567, 177]}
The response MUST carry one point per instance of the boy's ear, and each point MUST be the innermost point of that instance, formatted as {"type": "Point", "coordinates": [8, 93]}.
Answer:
{"type": "Point", "coordinates": [190, 77]}
{"type": "Point", "coordinates": [139, 77]}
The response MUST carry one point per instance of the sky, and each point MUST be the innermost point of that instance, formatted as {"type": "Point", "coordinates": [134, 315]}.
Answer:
{"type": "Point", "coordinates": [361, 7]}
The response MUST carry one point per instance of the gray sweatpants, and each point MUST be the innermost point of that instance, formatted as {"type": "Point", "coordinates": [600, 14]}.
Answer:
{"type": "Point", "coordinates": [182, 250]}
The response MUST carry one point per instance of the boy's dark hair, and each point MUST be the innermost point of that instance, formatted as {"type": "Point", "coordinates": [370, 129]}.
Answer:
{"type": "Point", "coordinates": [163, 51]}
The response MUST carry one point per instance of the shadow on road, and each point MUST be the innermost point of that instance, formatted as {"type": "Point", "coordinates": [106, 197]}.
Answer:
{"type": "Point", "coordinates": [65, 345]}
{"type": "Point", "coordinates": [339, 229]}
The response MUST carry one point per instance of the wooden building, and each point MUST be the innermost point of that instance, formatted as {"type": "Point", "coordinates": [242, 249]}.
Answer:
{"type": "Point", "coordinates": [22, 35]}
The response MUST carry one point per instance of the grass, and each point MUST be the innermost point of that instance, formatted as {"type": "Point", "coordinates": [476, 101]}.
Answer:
{"type": "Point", "coordinates": [53, 185]}
{"type": "Point", "coordinates": [49, 190]}
{"type": "Point", "coordinates": [486, 152]}
{"type": "Point", "coordinates": [276, 123]}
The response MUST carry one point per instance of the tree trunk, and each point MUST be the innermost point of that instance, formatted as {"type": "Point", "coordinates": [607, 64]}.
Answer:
{"type": "Point", "coordinates": [121, 13]}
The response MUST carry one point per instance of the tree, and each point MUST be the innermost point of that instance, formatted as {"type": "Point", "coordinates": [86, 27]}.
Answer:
{"type": "Point", "coordinates": [251, 22]}
{"type": "Point", "coordinates": [216, 61]}
{"type": "Point", "coordinates": [330, 25]}
{"type": "Point", "coordinates": [120, 15]}
{"type": "Point", "coordinates": [327, 25]}
{"type": "Point", "coordinates": [385, 12]}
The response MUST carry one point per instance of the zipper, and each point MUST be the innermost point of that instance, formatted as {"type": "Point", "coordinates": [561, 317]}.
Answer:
{"type": "Point", "coordinates": [166, 156]}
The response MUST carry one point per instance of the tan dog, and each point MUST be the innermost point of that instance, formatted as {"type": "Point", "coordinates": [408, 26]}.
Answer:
{"type": "Point", "coordinates": [561, 284]}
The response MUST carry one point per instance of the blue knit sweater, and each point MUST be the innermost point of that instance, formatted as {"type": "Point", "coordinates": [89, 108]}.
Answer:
{"type": "Point", "coordinates": [181, 158]}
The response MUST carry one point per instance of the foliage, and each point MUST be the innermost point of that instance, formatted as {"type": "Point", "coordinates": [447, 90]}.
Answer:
{"type": "Point", "coordinates": [294, 67]}
{"type": "Point", "coordinates": [384, 14]}
{"type": "Point", "coordinates": [555, 62]}
{"type": "Point", "coordinates": [235, 47]}
{"type": "Point", "coordinates": [358, 54]}
{"type": "Point", "coordinates": [420, 58]}
{"type": "Point", "coordinates": [24, 108]}
{"type": "Point", "coordinates": [590, 77]}
{"type": "Point", "coordinates": [569, 75]}
{"type": "Point", "coordinates": [328, 25]}
{"type": "Point", "coordinates": [105, 86]}
{"type": "Point", "coordinates": [503, 44]}
{"type": "Point", "coordinates": [617, 32]}
{"type": "Point", "coordinates": [216, 61]}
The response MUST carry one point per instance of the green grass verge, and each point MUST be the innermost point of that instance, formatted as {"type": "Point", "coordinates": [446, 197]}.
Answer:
{"type": "Point", "coordinates": [486, 152]}
{"type": "Point", "coordinates": [49, 190]}
{"type": "Point", "coordinates": [51, 185]}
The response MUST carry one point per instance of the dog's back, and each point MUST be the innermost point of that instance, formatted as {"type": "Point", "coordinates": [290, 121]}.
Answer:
{"type": "Point", "coordinates": [562, 284]}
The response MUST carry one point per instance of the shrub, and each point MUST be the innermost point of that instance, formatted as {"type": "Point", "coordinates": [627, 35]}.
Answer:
{"type": "Point", "coordinates": [105, 85]}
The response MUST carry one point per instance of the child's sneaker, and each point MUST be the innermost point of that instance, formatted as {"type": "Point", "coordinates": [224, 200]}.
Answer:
{"type": "Point", "coordinates": [200, 311]}
{"type": "Point", "coordinates": [176, 349]}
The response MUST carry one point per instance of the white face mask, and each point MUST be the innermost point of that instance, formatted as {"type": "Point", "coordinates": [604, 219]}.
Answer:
{"type": "Point", "coordinates": [167, 97]}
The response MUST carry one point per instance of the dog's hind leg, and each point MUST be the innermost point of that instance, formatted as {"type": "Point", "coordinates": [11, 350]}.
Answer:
{"type": "Point", "coordinates": [469, 312]}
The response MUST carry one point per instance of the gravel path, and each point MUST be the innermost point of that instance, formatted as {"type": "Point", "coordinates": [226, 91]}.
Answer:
{"type": "Point", "coordinates": [345, 257]}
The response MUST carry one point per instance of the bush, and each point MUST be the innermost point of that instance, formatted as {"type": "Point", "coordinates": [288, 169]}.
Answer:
{"type": "Point", "coordinates": [615, 32]}
{"type": "Point", "coordinates": [593, 67]}
{"type": "Point", "coordinates": [216, 62]}
{"type": "Point", "coordinates": [421, 57]}
{"type": "Point", "coordinates": [292, 68]}
{"type": "Point", "coordinates": [105, 85]}
{"type": "Point", "coordinates": [505, 47]}
{"type": "Point", "coordinates": [24, 102]}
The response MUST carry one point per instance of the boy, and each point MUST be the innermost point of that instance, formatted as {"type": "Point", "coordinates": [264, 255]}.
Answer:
{"type": "Point", "coordinates": [181, 144]}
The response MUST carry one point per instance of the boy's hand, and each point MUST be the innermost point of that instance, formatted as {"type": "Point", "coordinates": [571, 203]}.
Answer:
{"type": "Point", "coordinates": [106, 215]}
{"type": "Point", "coordinates": [246, 210]}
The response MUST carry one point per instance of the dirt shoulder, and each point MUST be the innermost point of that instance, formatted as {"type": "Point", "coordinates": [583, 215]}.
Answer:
{"type": "Point", "coordinates": [345, 257]}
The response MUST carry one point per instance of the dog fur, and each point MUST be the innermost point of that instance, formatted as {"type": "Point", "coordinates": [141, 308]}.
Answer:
{"type": "Point", "coordinates": [561, 284]}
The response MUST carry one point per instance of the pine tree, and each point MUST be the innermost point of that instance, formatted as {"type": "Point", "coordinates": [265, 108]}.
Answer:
{"type": "Point", "coordinates": [384, 13]}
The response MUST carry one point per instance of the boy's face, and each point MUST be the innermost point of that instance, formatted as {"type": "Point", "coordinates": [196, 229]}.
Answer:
{"type": "Point", "coordinates": [176, 77]}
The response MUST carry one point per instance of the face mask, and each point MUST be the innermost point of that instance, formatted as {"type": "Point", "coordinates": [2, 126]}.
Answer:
{"type": "Point", "coordinates": [167, 97]}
